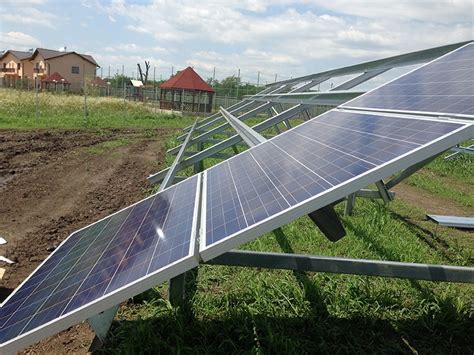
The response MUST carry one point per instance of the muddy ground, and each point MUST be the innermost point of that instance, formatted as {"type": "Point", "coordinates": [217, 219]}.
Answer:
{"type": "Point", "coordinates": [53, 182]}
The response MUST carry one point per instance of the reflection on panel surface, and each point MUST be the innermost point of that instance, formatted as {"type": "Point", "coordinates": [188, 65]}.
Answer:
{"type": "Point", "coordinates": [103, 257]}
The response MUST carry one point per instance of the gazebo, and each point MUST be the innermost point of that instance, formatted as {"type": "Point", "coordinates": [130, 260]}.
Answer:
{"type": "Point", "coordinates": [55, 81]}
{"type": "Point", "coordinates": [186, 91]}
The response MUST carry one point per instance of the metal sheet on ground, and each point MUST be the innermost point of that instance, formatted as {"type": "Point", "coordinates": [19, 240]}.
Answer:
{"type": "Point", "coordinates": [443, 86]}
{"type": "Point", "coordinates": [104, 264]}
{"type": "Point", "coordinates": [311, 166]}
{"type": "Point", "coordinates": [453, 221]}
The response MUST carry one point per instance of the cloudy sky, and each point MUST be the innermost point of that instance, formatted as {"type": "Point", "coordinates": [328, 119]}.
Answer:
{"type": "Point", "coordinates": [283, 37]}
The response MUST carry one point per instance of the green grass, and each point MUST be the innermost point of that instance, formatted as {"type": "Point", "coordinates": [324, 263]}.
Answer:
{"type": "Point", "coordinates": [106, 146]}
{"type": "Point", "coordinates": [18, 110]}
{"type": "Point", "coordinates": [451, 179]}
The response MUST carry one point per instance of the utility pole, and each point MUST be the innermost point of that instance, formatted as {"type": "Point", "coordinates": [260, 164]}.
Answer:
{"type": "Point", "coordinates": [276, 77]}
{"type": "Point", "coordinates": [154, 87]}
{"type": "Point", "coordinates": [258, 79]}
{"type": "Point", "coordinates": [124, 84]}
{"type": "Point", "coordinates": [238, 84]}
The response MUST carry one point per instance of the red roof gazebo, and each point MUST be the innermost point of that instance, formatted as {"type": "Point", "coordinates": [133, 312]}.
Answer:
{"type": "Point", "coordinates": [186, 91]}
{"type": "Point", "coordinates": [53, 81]}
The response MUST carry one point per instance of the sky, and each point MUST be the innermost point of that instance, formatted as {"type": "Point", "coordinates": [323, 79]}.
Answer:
{"type": "Point", "coordinates": [279, 38]}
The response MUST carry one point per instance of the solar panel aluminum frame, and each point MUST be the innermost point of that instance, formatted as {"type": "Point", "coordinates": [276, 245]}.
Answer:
{"type": "Point", "coordinates": [115, 297]}
{"type": "Point", "coordinates": [333, 194]}
{"type": "Point", "coordinates": [347, 105]}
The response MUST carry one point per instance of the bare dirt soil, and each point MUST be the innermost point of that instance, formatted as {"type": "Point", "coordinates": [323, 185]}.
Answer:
{"type": "Point", "coordinates": [53, 182]}
{"type": "Point", "coordinates": [431, 203]}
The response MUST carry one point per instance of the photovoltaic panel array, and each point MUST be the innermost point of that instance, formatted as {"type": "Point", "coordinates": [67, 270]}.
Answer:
{"type": "Point", "coordinates": [311, 166]}
{"type": "Point", "coordinates": [443, 86]}
{"type": "Point", "coordinates": [108, 261]}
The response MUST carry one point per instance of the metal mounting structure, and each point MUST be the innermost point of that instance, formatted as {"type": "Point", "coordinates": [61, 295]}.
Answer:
{"type": "Point", "coordinates": [301, 101]}
{"type": "Point", "coordinates": [274, 108]}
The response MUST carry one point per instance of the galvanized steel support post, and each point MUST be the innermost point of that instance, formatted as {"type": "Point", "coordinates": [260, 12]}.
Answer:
{"type": "Point", "coordinates": [339, 265]}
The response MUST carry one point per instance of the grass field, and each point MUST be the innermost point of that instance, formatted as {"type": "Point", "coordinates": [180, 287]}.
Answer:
{"type": "Point", "coordinates": [18, 110]}
{"type": "Point", "coordinates": [246, 310]}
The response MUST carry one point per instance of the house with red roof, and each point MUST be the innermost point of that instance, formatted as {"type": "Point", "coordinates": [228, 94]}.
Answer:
{"type": "Point", "coordinates": [186, 91]}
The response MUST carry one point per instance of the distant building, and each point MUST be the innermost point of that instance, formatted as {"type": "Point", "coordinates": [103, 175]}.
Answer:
{"type": "Point", "coordinates": [14, 66]}
{"type": "Point", "coordinates": [186, 91]}
{"type": "Point", "coordinates": [55, 82]}
{"type": "Point", "coordinates": [74, 67]}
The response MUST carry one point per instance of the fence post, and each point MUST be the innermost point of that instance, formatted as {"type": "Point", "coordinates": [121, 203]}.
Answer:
{"type": "Point", "coordinates": [36, 99]}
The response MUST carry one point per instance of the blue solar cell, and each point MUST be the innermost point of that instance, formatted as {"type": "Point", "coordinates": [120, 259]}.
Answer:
{"type": "Point", "coordinates": [445, 85]}
{"type": "Point", "coordinates": [98, 260]}
{"type": "Point", "coordinates": [308, 161]}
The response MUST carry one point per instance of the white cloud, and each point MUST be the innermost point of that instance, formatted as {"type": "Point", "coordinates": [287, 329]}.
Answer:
{"type": "Point", "coordinates": [137, 29]}
{"type": "Point", "coordinates": [23, 2]}
{"type": "Point", "coordinates": [134, 48]}
{"type": "Point", "coordinates": [28, 16]}
{"type": "Point", "coordinates": [18, 40]}
{"type": "Point", "coordinates": [111, 19]}
{"type": "Point", "coordinates": [439, 11]}
{"type": "Point", "coordinates": [282, 36]}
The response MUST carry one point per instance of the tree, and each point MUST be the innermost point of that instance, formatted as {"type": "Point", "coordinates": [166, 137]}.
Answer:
{"type": "Point", "coordinates": [144, 77]}
{"type": "Point", "coordinates": [231, 82]}
{"type": "Point", "coordinates": [118, 80]}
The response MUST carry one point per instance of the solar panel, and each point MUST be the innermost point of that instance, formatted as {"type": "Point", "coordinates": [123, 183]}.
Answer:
{"type": "Point", "coordinates": [309, 167]}
{"type": "Point", "coordinates": [443, 86]}
{"type": "Point", "coordinates": [104, 264]}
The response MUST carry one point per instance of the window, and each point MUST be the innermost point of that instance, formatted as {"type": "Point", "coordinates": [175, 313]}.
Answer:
{"type": "Point", "coordinates": [75, 70]}
{"type": "Point", "coordinates": [18, 66]}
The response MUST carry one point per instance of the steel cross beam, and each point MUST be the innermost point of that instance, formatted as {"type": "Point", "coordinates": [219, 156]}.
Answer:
{"type": "Point", "coordinates": [223, 126]}
{"type": "Point", "coordinates": [369, 74]}
{"type": "Point", "coordinates": [231, 108]}
{"type": "Point", "coordinates": [251, 137]}
{"type": "Point", "coordinates": [460, 150]}
{"type": "Point", "coordinates": [213, 119]}
{"type": "Point", "coordinates": [246, 104]}
{"type": "Point", "coordinates": [209, 152]}
{"type": "Point", "coordinates": [329, 98]}
{"type": "Point", "coordinates": [217, 117]}
{"type": "Point", "coordinates": [412, 58]}
{"type": "Point", "coordinates": [339, 265]}
{"type": "Point", "coordinates": [169, 177]}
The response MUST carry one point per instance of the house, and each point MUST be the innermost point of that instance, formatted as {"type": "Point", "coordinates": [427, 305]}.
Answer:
{"type": "Point", "coordinates": [73, 67]}
{"type": "Point", "coordinates": [14, 66]}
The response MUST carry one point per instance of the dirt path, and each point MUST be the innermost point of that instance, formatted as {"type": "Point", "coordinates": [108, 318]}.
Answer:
{"type": "Point", "coordinates": [432, 204]}
{"type": "Point", "coordinates": [55, 182]}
